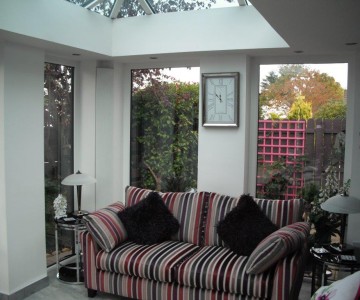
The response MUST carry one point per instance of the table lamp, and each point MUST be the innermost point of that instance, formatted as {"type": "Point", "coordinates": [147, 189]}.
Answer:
{"type": "Point", "coordinates": [344, 205]}
{"type": "Point", "coordinates": [78, 179]}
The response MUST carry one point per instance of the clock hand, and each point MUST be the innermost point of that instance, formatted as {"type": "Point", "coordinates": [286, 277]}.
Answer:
{"type": "Point", "coordinates": [218, 97]}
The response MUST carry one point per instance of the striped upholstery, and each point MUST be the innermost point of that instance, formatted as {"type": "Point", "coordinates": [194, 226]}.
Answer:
{"type": "Point", "coordinates": [289, 274]}
{"type": "Point", "coordinates": [218, 268]}
{"type": "Point", "coordinates": [194, 273]}
{"type": "Point", "coordinates": [144, 289]}
{"type": "Point", "coordinates": [106, 227]}
{"type": "Point", "coordinates": [89, 249]}
{"type": "Point", "coordinates": [277, 245]}
{"type": "Point", "coordinates": [134, 195]}
{"type": "Point", "coordinates": [187, 208]}
{"type": "Point", "coordinates": [218, 206]}
{"type": "Point", "coordinates": [282, 212]}
{"type": "Point", "coordinates": [156, 262]}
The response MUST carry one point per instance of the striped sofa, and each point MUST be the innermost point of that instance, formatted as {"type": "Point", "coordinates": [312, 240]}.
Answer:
{"type": "Point", "coordinates": [195, 264]}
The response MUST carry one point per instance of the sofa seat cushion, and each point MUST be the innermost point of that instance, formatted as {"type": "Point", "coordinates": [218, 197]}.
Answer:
{"type": "Point", "coordinates": [156, 262]}
{"type": "Point", "coordinates": [219, 268]}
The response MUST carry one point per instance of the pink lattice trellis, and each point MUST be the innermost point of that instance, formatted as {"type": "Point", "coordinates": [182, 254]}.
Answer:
{"type": "Point", "coordinates": [281, 141]}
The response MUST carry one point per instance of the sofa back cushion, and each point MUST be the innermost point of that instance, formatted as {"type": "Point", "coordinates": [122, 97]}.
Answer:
{"type": "Point", "coordinates": [187, 208]}
{"type": "Point", "coordinates": [280, 212]}
{"type": "Point", "coordinates": [218, 207]}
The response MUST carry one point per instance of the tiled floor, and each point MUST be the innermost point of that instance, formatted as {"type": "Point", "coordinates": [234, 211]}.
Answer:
{"type": "Point", "coordinates": [58, 290]}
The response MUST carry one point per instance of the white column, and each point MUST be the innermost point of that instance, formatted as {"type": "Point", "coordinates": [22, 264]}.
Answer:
{"type": "Point", "coordinates": [352, 155]}
{"type": "Point", "coordinates": [22, 201]}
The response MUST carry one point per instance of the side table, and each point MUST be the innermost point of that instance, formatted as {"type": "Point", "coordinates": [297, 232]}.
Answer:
{"type": "Point", "coordinates": [71, 272]}
{"type": "Point", "coordinates": [326, 261]}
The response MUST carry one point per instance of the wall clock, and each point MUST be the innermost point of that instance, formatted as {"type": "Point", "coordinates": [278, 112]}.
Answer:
{"type": "Point", "coordinates": [220, 99]}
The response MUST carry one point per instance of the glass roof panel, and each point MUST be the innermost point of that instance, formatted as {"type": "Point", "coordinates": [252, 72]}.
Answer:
{"type": "Point", "coordinates": [130, 8]}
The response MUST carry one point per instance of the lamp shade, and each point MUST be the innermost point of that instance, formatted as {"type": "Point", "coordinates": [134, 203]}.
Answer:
{"type": "Point", "coordinates": [341, 204]}
{"type": "Point", "coordinates": [78, 179]}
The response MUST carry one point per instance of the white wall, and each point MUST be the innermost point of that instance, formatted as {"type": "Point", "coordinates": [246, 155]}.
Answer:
{"type": "Point", "coordinates": [4, 249]}
{"type": "Point", "coordinates": [352, 155]}
{"type": "Point", "coordinates": [104, 136]}
{"type": "Point", "coordinates": [84, 131]}
{"type": "Point", "coordinates": [222, 161]}
{"type": "Point", "coordinates": [23, 256]}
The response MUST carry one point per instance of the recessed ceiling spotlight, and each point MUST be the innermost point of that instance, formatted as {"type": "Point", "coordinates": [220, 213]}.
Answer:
{"type": "Point", "coordinates": [76, 54]}
{"type": "Point", "coordinates": [351, 44]}
{"type": "Point", "coordinates": [153, 57]}
{"type": "Point", "coordinates": [298, 51]}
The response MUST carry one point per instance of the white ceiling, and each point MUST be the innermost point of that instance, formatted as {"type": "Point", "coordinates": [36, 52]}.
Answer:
{"type": "Point", "coordinates": [317, 27]}
{"type": "Point", "coordinates": [314, 26]}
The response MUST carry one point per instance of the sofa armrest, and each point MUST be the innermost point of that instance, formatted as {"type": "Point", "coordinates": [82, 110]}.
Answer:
{"type": "Point", "coordinates": [90, 250]}
{"type": "Point", "coordinates": [289, 273]}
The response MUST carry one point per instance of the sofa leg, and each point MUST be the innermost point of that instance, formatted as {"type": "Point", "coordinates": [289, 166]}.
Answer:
{"type": "Point", "coordinates": [91, 293]}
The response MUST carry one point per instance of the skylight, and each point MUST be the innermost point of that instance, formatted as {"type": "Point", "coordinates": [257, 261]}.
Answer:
{"type": "Point", "coordinates": [129, 8]}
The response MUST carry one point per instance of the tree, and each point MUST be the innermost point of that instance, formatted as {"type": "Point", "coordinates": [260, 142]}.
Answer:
{"type": "Point", "coordinates": [331, 110]}
{"type": "Point", "coordinates": [293, 80]}
{"type": "Point", "coordinates": [300, 109]}
{"type": "Point", "coordinates": [165, 131]}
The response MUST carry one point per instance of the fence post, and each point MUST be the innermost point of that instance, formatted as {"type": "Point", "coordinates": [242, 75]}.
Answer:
{"type": "Point", "coordinates": [319, 149]}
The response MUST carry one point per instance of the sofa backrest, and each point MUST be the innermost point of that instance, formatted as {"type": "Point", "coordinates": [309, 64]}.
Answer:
{"type": "Point", "coordinates": [187, 208]}
{"type": "Point", "coordinates": [199, 213]}
{"type": "Point", "coordinates": [280, 212]}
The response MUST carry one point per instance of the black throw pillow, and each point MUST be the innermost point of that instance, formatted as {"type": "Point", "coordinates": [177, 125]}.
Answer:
{"type": "Point", "coordinates": [245, 226]}
{"type": "Point", "coordinates": [149, 221]}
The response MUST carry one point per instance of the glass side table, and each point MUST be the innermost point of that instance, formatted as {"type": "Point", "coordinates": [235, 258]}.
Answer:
{"type": "Point", "coordinates": [325, 261]}
{"type": "Point", "coordinates": [71, 272]}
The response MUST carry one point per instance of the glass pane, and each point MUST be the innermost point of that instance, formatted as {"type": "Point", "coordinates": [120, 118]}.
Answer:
{"type": "Point", "coordinates": [301, 138]}
{"type": "Point", "coordinates": [58, 148]}
{"type": "Point", "coordinates": [164, 131]}
{"type": "Point", "coordinates": [131, 8]}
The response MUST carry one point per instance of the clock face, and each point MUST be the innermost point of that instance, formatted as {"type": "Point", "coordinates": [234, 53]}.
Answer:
{"type": "Point", "coordinates": [220, 100]}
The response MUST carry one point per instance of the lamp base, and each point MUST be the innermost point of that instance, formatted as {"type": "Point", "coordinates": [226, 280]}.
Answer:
{"type": "Point", "coordinates": [80, 213]}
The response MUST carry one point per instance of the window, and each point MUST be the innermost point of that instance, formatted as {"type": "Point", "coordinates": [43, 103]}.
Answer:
{"type": "Point", "coordinates": [301, 137]}
{"type": "Point", "coordinates": [130, 8]}
{"type": "Point", "coordinates": [164, 131]}
{"type": "Point", "coordinates": [58, 147]}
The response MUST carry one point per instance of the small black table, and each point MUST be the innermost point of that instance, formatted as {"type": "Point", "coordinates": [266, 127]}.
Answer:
{"type": "Point", "coordinates": [324, 260]}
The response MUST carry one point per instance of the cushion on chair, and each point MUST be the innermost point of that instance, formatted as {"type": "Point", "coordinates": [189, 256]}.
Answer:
{"type": "Point", "coordinates": [347, 288]}
{"type": "Point", "coordinates": [105, 227]}
{"type": "Point", "coordinates": [277, 245]}
{"type": "Point", "coordinates": [155, 262]}
{"type": "Point", "coordinates": [219, 205]}
{"type": "Point", "coordinates": [245, 227]}
{"type": "Point", "coordinates": [220, 269]}
{"type": "Point", "coordinates": [282, 212]}
{"type": "Point", "coordinates": [134, 195]}
{"type": "Point", "coordinates": [149, 221]}
{"type": "Point", "coordinates": [188, 209]}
